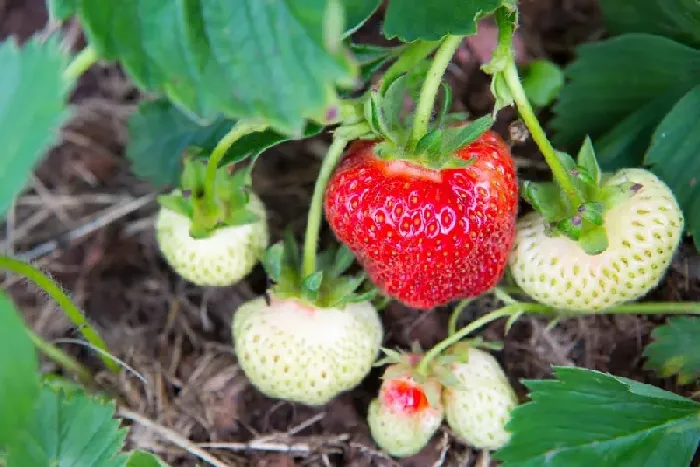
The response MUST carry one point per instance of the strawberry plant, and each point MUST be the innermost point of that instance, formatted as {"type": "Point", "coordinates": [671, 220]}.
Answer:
{"type": "Point", "coordinates": [422, 201]}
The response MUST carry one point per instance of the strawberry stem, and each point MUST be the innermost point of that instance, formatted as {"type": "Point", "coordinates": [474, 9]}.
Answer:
{"type": "Point", "coordinates": [454, 317]}
{"type": "Point", "coordinates": [654, 308]}
{"type": "Point", "coordinates": [560, 173]}
{"type": "Point", "coordinates": [429, 90]}
{"type": "Point", "coordinates": [478, 323]}
{"type": "Point", "coordinates": [61, 358]}
{"type": "Point", "coordinates": [74, 314]}
{"type": "Point", "coordinates": [313, 224]}
{"type": "Point", "coordinates": [237, 131]}
{"type": "Point", "coordinates": [80, 64]}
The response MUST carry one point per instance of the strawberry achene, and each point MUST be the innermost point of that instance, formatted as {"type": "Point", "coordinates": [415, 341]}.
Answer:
{"type": "Point", "coordinates": [427, 236]}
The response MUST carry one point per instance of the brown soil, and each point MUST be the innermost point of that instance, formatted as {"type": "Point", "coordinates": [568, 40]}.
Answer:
{"type": "Point", "coordinates": [175, 337]}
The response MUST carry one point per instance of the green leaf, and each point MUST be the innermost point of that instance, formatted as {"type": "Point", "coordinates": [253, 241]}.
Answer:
{"type": "Point", "coordinates": [542, 81]}
{"type": "Point", "coordinates": [586, 159]}
{"type": "Point", "coordinates": [19, 375]}
{"type": "Point", "coordinates": [69, 430]}
{"type": "Point", "coordinates": [612, 79]}
{"type": "Point", "coordinates": [625, 143]}
{"type": "Point", "coordinates": [160, 133]}
{"type": "Point", "coordinates": [675, 349]}
{"type": "Point", "coordinates": [586, 418]}
{"type": "Point", "coordinates": [144, 459]}
{"type": "Point", "coordinates": [675, 19]}
{"type": "Point", "coordinates": [357, 12]}
{"type": "Point", "coordinates": [546, 198]}
{"type": "Point", "coordinates": [674, 156]}
{"type": "Point", "coordinates": [410, 20]}
{"type": "Point", "coordinates": [269, 61]}
{"type": "Point", "coordinates": [342, 261]}
{"type": "Point", "coordinates": [32, 109]}
{"type": "Point", "coordinates": [311, 285]}
{"type": "Point", "coordinates": [458, 137]}
{"type": "Point", "coordinates": [62, 9]}
{"type": "Point", "coordinates": [273, 261]}
{"type": "Point", "coordinates": [594, 240]}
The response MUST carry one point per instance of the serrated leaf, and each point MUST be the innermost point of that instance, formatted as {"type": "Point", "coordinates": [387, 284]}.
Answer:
{"type": "Point", "coordinates": [673, 156]}
{"type": "Point", "coordinates": [611, 79]}
{"type": "Point", "coordinates": [61, 10]}
{"type": "Point", "coordinates": [32, 108]}
{"type": "Point", "coordinates": [542, 80]}
{"type": "Point", "coordinates": [410, 20]}
{"type": "Point", "coordinates": [268, 61]}
{"type": "Point", "coordinates": [357, 12]}
{"type": "Point", "coordinates": [675, 349]}
{"type": "Point", "coordinates": [19, 373]}
{"type": "Point", "coordinates": [676, 19]}
{"type": "Point", "coordinates": [585, 418]}
{"type": "Point", "coordinates": [69, 430]}
{"type": "Point", "coordinates": [625, 143]}
{"type": "Point", "coordinates": [144, 459]}
{"type": "Point", "coordinates": [586, 159]}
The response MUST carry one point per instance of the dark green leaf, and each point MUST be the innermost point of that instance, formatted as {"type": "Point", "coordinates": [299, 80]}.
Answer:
{"type": "Point", "coordinates": [675, 349]}
{"type": "Point", "coordinates": [676, 19]}
{"type": "Point", "coordinates": [392, 103]}
{"type": "Point", "coordinates": [144, 459]}
{"type": "Point", "coordinates": [62, 9]}
{"type": "Point", "coordinates": [291, 249]}
{"type": "Point", "coordinates": [272, 262]}
{"type": "Point", "coordinates": [357, 12]}
{"type": "Point", "coordinates": [455, 138]}
{"type": "Point", "coordinates": [587, 160]}
{"type": "Point", "coordinates": [674, 156]}
{"type": "Point", "coordinates": [19, 375]}
{"type": "Point", "coordinates": [624, 144]}
{"type": "Point", "coordinates": [542, 81]}
{"type": "Point", "coordinates": [69, 430]}
{"type": "Point", "coordinates": [613, 78]}
{"type": "Point", "coordinates": [586, 418]}
{"type": "Point", "coordinates": [410, 20]}
{"type": "Point", "coordinates": [430, 143]}
{"type": "Point", "coordinates": [32, 109]}
{"type": "Point", "coordinates": [160, 134]}
{"type": "Point", "coordinates": [546, 198]}
{"type": "Point", "coordinates": [272, 61]}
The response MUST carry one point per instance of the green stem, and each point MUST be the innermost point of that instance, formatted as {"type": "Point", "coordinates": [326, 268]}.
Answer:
{"type": "Point", "coordinates": [454, 317]}
{"type": "Point", "coordinates": [475, 325]}
{"type": "Point", "coordinates": [426, 101]}
{"type": "Point", "coordinates": [654, 308]}
{"type": "Point", "coordinates": [559, 172]}
{"type": "Point", "coordinates": [236, 132]}
{"type": "Point", "coordinates": [313, 224]}
{"type": "Point", "coordinates": [410, 57]}
{"type": "Point", "coordinates": [61, 358]}
{"type": "Point", "coordinates": [73, 313]}
{"type": "Point", "coordinates": [80, 63]}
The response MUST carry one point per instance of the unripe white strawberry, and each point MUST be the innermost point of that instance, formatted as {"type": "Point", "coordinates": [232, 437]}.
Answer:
{"type": "Point", "coordinates": [294, 351]}
{"type": "Point", "coordinates": [402, 420]}
{"type": "Point", "coordinates": [221, 259]}
{"type": "Point", "coordinates": [643, 231]}
{"type": "Point", "coordinates": [479, 408]}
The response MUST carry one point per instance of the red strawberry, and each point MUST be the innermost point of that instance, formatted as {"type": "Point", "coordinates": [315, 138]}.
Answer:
{"type": "Point", "coordinates": [427, 236]}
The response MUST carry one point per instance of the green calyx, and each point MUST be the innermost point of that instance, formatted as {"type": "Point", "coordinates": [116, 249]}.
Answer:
{"type": "Point", "coordinates": [583, 223]}
{"type": "Point", "coordinates": [386, 111]}
{"type": "Point", "coordinates": [326, 287]}
{"type": "Point", "coordinates": [210, 208]}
